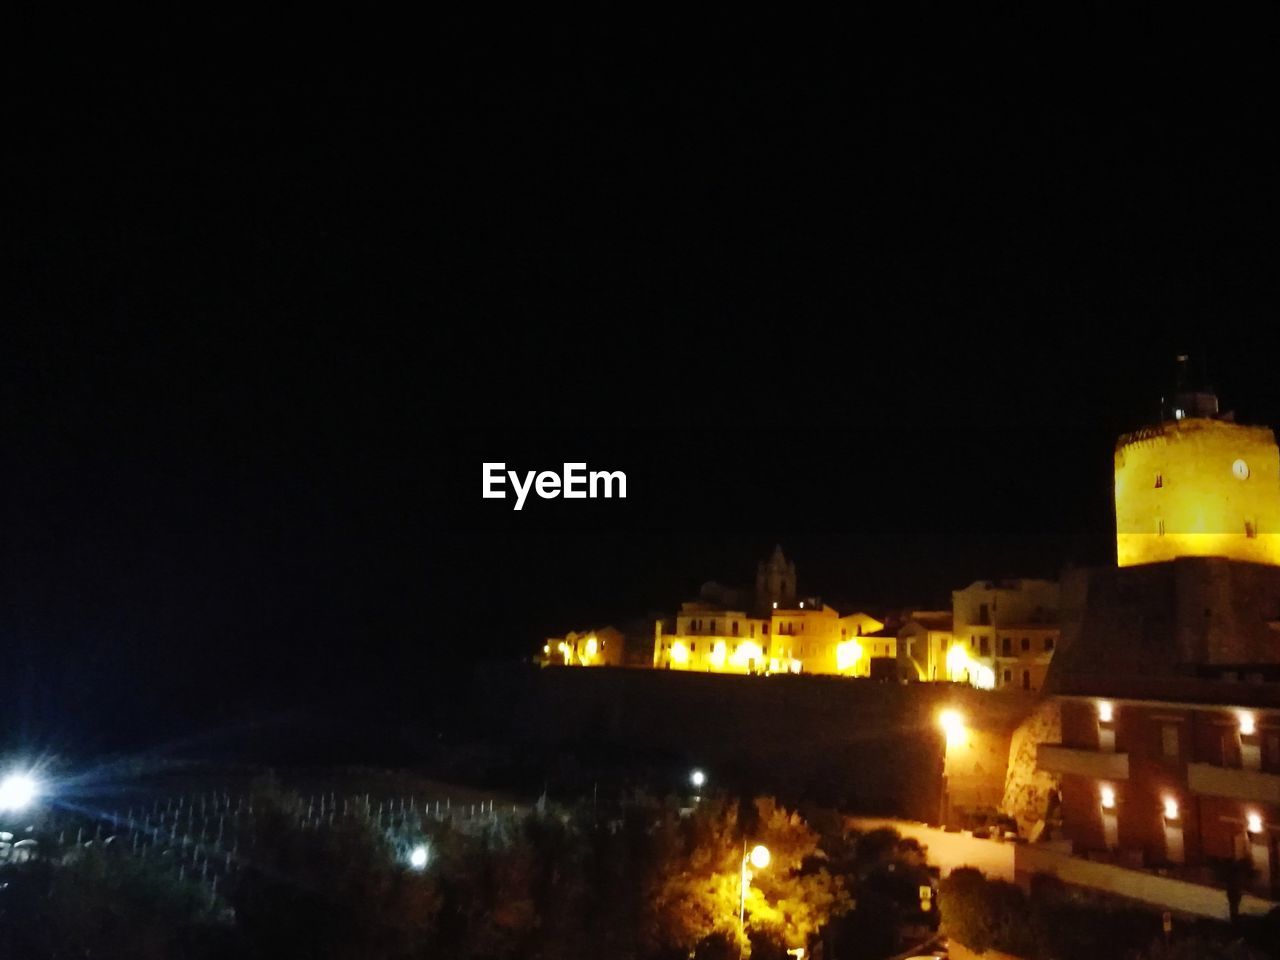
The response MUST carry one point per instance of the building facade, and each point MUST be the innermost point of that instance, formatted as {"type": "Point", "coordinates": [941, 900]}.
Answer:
{"type": "Point", "coordinates": [1005, 633]}
{"type": "Point", "coordinates": [1168, 676]}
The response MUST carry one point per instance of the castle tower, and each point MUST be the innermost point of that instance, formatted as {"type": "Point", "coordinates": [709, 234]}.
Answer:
{"type": "Point", "coordinates": [776, 581]}
{"type": "Point", "coordinates": [1197, 484]}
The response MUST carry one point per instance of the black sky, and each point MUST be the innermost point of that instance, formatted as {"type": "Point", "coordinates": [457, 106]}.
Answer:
{"type": "Point", "coordinates": [887, 303]}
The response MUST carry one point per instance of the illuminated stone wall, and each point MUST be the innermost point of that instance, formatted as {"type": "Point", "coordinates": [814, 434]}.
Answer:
{"type": "Point", "coordinates": [1197, 487]}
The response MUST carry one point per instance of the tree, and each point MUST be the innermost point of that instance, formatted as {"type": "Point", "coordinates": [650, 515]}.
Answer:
{"type": "Point", "coordinates": [698, 894]}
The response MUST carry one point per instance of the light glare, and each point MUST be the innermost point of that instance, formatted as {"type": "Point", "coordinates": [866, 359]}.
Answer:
{"type": "Point", "coordinates": [418, 857]}
{"type": "Point", "coordinates": [760, 856]}
{"type": "Point", "coordinates": [17, 791]}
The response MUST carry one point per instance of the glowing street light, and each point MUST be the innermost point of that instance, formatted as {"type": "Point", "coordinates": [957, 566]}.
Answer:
{"type": "Point", "coordinates": [697, 778]}
{"type": "Point", "coordinates": [952, 724]}
{"type": "Point", "coordinates": [17, 791]}
{"type": "Point", "coordinates": [419, 856]}
{"type": "Point", "coordinates": [759, 858]}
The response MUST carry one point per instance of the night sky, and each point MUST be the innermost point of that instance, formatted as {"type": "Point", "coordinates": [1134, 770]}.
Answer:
{"type": "Point", "coordinates": [889, 309]}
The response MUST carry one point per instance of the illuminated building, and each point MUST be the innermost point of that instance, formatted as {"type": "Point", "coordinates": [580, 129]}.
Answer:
{"type": "Point", "coordinates": [1004, 633]}
{"type": "Point", "coordinates": [773, 632]}
{"type": "Point", "coordinates": [1197, 484]}
{"type": "Point", "coordinates": [591, 648]}
{"type": "Point", "coordinates": [923, 641]}
{"type": "Point", "coordinates": [1168, 676]}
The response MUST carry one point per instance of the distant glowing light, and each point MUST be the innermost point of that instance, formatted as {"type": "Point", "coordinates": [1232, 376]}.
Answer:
{"type": "Point", "coordinates": [801, 604]}
{"type": "Point", "coordinates": [952, 724]}
{"type": "Point", "coordinates": [775, 604]}
{"type": "Point", "coordinates": [592, 646]}
{"type": "Point", "coordinates": [679, 653]}
{"type": "Point", "coordinates": [546, 648]}
{"type": "Point", "coordinates": [718, 654]}
{"type": "Point", "coordinates": [17, 792]}
{"type": "Point", "coordinates": [1105, 711]}
{"type": "Point", "coordinates": [419, 856]}
{"type": "Point", "coordinates": [1108, 798]}
{"type": "Point", "coordinates": [847, 655]}
{"type": "Point", "coordinates": [957, 661]}
{"type": "Point", "coordinates": [760, 856]}
{"type": "Point", "coordinates": [745, 653]}
{"type": "Point", "coordinates": [698, 778]}
{"type": "Point", "coordinates": [1170, 808]}
{"type": "Point", "coordinates": [1254, 822]}
{"type": "Point", "coordinates": [1248, 724]}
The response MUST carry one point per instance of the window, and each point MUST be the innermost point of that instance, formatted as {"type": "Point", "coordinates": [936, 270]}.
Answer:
{"type": "Point", "coordinates": [713, 626]}
{"type": "Point", "coordinates": [1048, 644]}
{"type": "Point", "coordinates": [1160, 527]}
{"type": "Point", "coordinates": [973, 642]}
{"type": "Point", "coordinates": [764, 627]}
{"type": "Point", "coordinates": [1008, 677]}
{"type": "Point", "coordinates": [693, 648]}
{"type": "Point", "coordinates": [1250, 530]}
{"type": "Point", "coordinates": [1273, 750]}
{"type": "Point", "coordinates": [1006, 646]}
{"type": "Point", "coordinates": [1026, 644]}
{"type": "Point", "coordinates": [984, 646]}
{"type": "Point", "coordinates": [735, 628]}
{"type": "Point", "coordinates": [1169, 740]}
{"type": "Point", "coordinates": [1026, 679]}
{"type": "Point", "coordinates": [1159, 480]}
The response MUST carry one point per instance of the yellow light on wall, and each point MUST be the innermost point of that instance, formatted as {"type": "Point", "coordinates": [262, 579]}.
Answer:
{"type": "Point", "coordinates": [1108, 798]}
{"type": "Point", "coordinates": [679, 653]}
{"type": "Point", "coordinates": [847, 655]}
{"type": "Point", "coordinates": [952, 724]}
{"type": "Point", "coordinates": [746, 652]}
{"type": "Point", "coordinates": [718, 654]}
{"type": "Point", "coordinates": [957, 662]}
{"type": "Point", "coordinates": [592, 646]}
{"type": "Point", "coordinates": [1170, 808]}
{"type": "Point", "coordinates": [1248, 724]}
{"type": "Point", "coordinates": [1105, 711]}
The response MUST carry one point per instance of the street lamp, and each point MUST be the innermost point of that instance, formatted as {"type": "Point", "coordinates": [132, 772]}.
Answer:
{"type": "Point", "coordinates": [17, 791]}
{"type": "Point", "coordinates": [419, 856]}
{"type": "Point", "coordinates": [697, 778]}
{"type": "Point", "coordinates": [759, 858]}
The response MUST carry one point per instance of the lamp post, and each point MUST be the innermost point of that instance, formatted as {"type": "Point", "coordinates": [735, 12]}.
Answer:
{"type": "Point", "coordinates": [759, 858]}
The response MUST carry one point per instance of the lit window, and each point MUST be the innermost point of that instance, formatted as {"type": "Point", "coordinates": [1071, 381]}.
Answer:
{"type": "Point", "coordinates": [1248, 724]}
{"type": "Point", "coordinates": [1170, 808]}
{"type": "Point", "coordinates": [1254, 822]}
{"type": "Point", "coordinates": [1108, 798]}
{"type": "Point", "coordinates": [1105, 711]}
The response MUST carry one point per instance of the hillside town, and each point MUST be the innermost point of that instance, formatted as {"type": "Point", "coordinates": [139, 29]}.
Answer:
{"type": "Point", "coordinates": [1152, 685]}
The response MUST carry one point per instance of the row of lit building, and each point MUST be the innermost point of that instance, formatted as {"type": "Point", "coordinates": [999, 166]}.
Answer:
{"type": "Point", "coordinates": [998, 633]}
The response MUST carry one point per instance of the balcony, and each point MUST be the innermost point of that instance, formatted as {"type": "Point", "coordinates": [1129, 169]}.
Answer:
{"type": "Point", "coordinates": [1054, 758]}
{"type": "Point", "coordinates": [1233, 783]}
